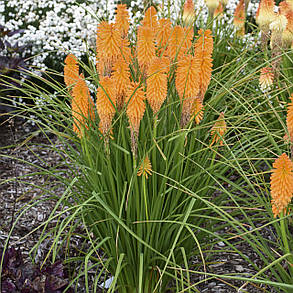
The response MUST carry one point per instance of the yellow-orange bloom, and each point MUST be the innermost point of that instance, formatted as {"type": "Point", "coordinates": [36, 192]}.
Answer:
{"type": "Point", "coordinates": [145, 168]}
{"type": "Point", "coordinates": [122, 20]}
{"type": "Point", "coordinates": [239, 16]}
{"type": "Point", "coordinates": [150, 18]}
{"type": "Point", "coordinates": [287, 35]}
{"type": "Point", "coordinates": [218, 130]}
{"type": "Point", "coordinates": [71, 70]}
{"type": "Point", "coordinates": [203, 50]}
{"type": "Point", "coordinates": [125, 51]}
{"type": "Point", "coordinates": [281, 184]}
{"type": "Point", "coordinates": [198, 110]}
{"type": "Point", "coordinates": [284, 8]}
{"type": "Point", "coordinates": [265, 14]}
{"type": "Point", "coordinates": [289, 119]}
{"type": "Point", "coordinates": [290, 3]}
{"type": "Point", "coordinates": [163, 33]}
{"type": "Point", "coordinates": [121, 80]}
{"type": "Point", "coordinates": [188, 13]}
{"type": "Point", "coordinates": [82, 105]}
{"type": "Point", "coordinates": [219, 11]}
{"type": "Point", "coordinates": [180, 42]}
{"type": "Point", "coordinates": [266, 78]}
{"type": "Point", "coordinates": [135, 105]}
{"type": "Point", "coordinates": [156, 92]}
{"type": "Point", "coordinates": [108, 46]}
{"type": "Point", "coordinates": [106, 100]}
{"type": "Point", "coordinates": [145, 46]}
{"type": "Point", "coordinates": [187, 84]}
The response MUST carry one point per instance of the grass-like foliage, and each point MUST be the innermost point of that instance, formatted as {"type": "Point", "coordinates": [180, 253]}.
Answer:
{"type": "Point", "coordinates": [164, 159]}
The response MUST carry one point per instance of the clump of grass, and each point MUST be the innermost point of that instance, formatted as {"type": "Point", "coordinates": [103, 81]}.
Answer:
{"type": "Point", "coordinates": [148, 149]}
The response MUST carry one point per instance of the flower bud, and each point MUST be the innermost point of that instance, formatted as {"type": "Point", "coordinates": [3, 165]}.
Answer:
{"type": "Point", "coordinates": [188, 13]}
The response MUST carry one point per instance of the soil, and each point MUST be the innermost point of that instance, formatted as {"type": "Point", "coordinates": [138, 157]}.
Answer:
{"type": "Point", "coordinates": [20, 184]}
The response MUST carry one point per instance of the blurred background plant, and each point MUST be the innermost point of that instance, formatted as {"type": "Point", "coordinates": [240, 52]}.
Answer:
{"type": "Point", "coordinates": [12, 65]}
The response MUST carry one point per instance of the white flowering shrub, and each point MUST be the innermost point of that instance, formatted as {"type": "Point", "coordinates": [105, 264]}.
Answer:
{"type": "Point", "coordinates": [55, 27]}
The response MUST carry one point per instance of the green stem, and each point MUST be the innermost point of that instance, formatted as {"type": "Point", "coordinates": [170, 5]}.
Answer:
{"type": "Point", "coordinates": [286, 244]}
{"type": "Point", "coordinates": [145, 197]}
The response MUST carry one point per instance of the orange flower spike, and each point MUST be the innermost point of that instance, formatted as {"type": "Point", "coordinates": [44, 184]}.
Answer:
{"type": "Point", "coordinates": [239, 16]}
{"type": "Point", "coordinates": [121, 79]}
{"type": "Point", "coordinates": [284, 8]}
{"type": "Point", "coordinates": [198, 110]}
{"type": "Point", "coordinates": [106, 99]}
{"type": "Point", "coordinates": [101, 65]}
{"type": "Point", "coordinates": [135, 106]}
{"type": "Point", "coordinates": [266, 78]}
{"type": "Point", "coordinates": [151, 19]}
{"type": "Point", "coordinates": [122, 20]}
{"type": "Point", "coordinates": [145, 168]}
{"type": "Point", "coordinates": [156, 92]}
{"type": "Point", "coordinates": [145, 46]}
{"type": "Point", "coordinates": [281, 184]}
{"type": "Point", "coordinates": [287, 35]}
{"type": "Point", "coordinates": [219, 11]}
{"type": "Point", "coordinates": [177, 35]}
{"type": "Point", "coordinates": [108, 45]}
{"type": "Point", "coordinates": [265, 14]}
{"type": "Point", "coordinates": [188, 13]}
{"type": "Point", "coordinates": [290, 3]}
{"type": "Point", "coordinates": [289, 119]}
{"type": "Point", "coordinates": [163, 33]}
{"type": "Point", "coordinates": [125, 51]}
{"type": "Point", "coordinates": [203, 50]}
{"type": "Point", "coordinates": [187, 85]}
{"type": "Point", "coordinates": [218, 130]}
{"type": "Point", "coordinates": [187, 82]}
{"type": "Point", "coordinates": [179, 42]}
{"type": "Point", "coordinates": [108, 40]}
{"type": "Point", "coordinates": [187, 40]}
{"type": "Point", "coordinates": [71, 70]}
{"type": "Point", "coordinates": [82, 105]}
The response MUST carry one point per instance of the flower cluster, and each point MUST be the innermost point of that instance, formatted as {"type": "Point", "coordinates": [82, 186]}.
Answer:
{"type": "Point", "coordinates": [281, 184]}
{"type": "Point", "coordinates": [65, 26]}
{"type": "Point", "coordinates": [159, 47]}
{"type": "Point", "coordinates": [278, 28]}
{"type": "Point", "coordinates": [282, 173]}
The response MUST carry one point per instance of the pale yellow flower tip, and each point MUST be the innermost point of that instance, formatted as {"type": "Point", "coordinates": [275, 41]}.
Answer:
{"type": "Point", "coordinates": [265, 13]}
{"type": "Point", "coordinates": [279, 24]}
{"type": "Point", "coordinates": [212, 4]}
{"type": "Point", "coordinates": [188, 13]}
